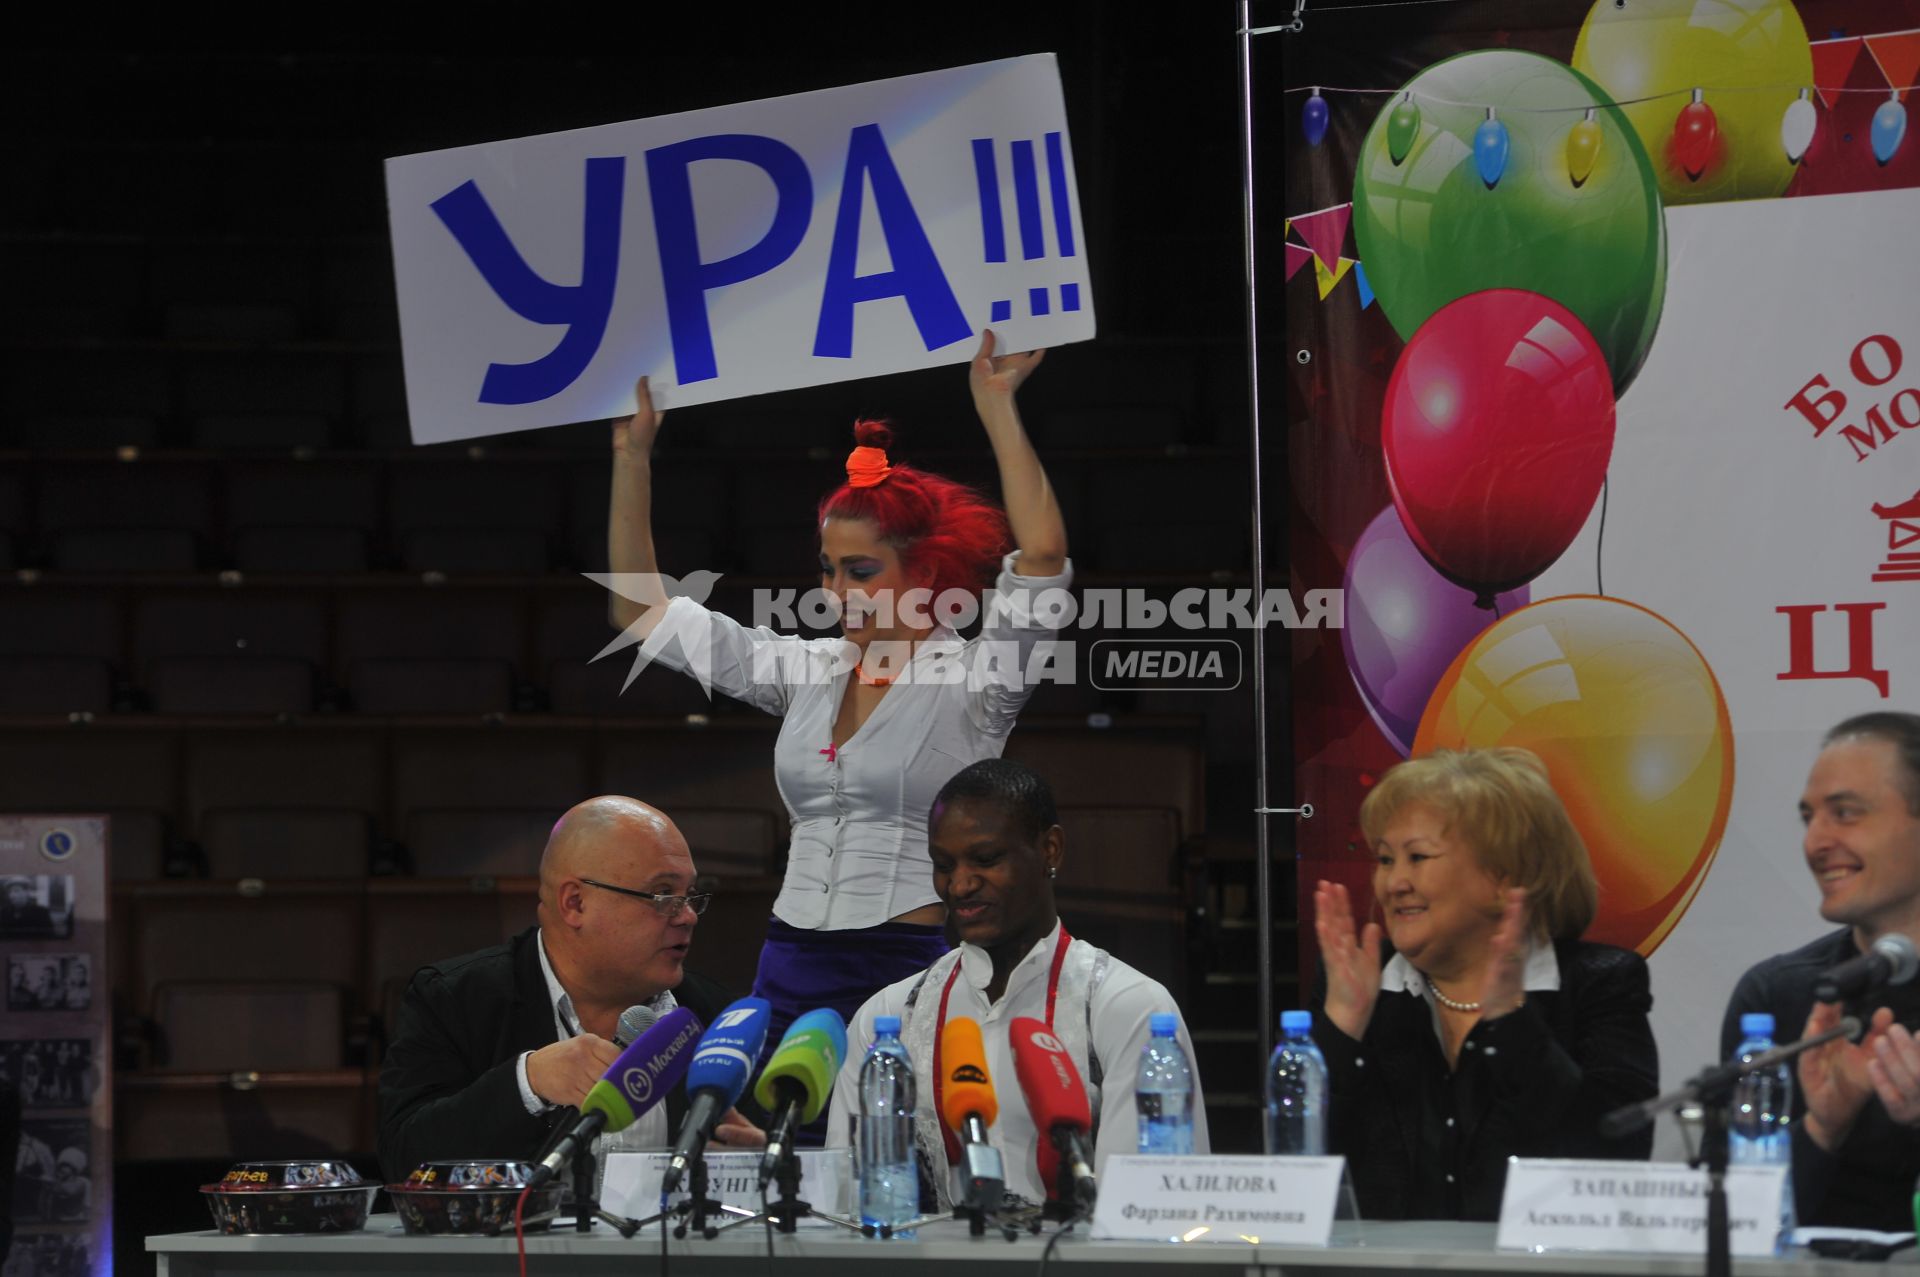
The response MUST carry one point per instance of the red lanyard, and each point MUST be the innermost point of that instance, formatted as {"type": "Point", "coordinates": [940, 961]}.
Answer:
{"type": "Point", "coordinates": [939, 1031]}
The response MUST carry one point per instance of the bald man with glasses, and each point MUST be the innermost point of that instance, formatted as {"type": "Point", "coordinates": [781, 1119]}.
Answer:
{"type": "Point", "coordinates": [491, 1050]}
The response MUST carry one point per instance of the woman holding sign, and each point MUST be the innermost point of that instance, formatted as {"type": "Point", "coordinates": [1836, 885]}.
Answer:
{"type": "Point", "coordinates": [875, 722]}
{"type": "Point", "coordinates": [1480, 1027]}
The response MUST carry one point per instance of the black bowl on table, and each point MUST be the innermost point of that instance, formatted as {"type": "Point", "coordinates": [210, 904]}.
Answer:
{"type": "Point", "coordinates": [471, 1198]}
{"type": "Point", "coordinates": [290, 1197]}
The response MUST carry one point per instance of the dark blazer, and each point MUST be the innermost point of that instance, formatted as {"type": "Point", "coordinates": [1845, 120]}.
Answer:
{"type": "Point", "coordinates": [1868, 1181]}
{"type": "Point", "coordinates": [447, 1085]}
{"type": "Point", "coordinates": [1422, 1142]}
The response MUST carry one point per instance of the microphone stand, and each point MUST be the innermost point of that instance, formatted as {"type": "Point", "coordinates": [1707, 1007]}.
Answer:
{"type": "Point", "coordinates": [787, 1212]}
{"type": "Point", "coordinates": [586, 1203]}
{"type": "Point", "coordinates": [1712, 1090]}
{"type": "Point", "coordinates": [694, 1212]}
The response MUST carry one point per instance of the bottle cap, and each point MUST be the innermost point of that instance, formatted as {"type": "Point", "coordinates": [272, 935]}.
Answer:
{"type": "Point", "coordinates": [886, 1024]}
{"type": "Point", "coordinates": [1756, 1024]}
{"type": "Point", "coordinates": [1296, 1021]}
{"type": "Point", "coordinates": [1164, 1024]}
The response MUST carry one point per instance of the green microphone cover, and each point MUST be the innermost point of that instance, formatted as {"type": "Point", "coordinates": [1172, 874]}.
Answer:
{"type": "Point", "coordinates": [810, 1056]}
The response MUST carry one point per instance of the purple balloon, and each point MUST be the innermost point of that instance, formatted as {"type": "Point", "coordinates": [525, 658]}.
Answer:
{"type": "Point", "coordinates": [1405, 624]}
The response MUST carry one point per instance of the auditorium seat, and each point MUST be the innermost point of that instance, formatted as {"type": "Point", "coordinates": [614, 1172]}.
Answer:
{"type": "Point", "coordinates": [125, 550]}
{"type": "Point", "coordinates": [312, 764]}
{"type": "Point", "coordinates": [261, 432]}
{"type": "Point", "coordinates": [398, 688]}
{"type": "Point", "coordinates": [495, 551]}
{"type": "Point", "coordinates": [91, 767]}
{"type": "Point", "coordinates": [1174, 547]}
{"type": "Point", "coordinates": [253, 684]}
{"type": "Point", "coordinates": [412, 922]}
{"type": "Point", "coordinates": [1124, 886]}
{"type": "Point", "coordinates": [136, 844]}
{"type": "Point", "coordinates": [82, 433]}
{"type": "Point", "coordinates": [730, 841]}
{"type": "Point", "coordinates": [252, 324]}
{"type": "Point", "coordinates": [427, 492]}
{"type": "Point", "coordinates": [728, 764]}
{"type": "Point", "coordinates": [273, 930]}
{"type": "Point", "coordinates": [446, 623]}
{"type": "Point", "coordinates": [48, 621]}
{"type": "Point", "coordinates": [269, 549]}
{"type": "Point", "coordinates": [573, 626]}
{"type": "Point", "coordinates": [525, 767]}
{"type": "Point", "coordinates": [228, 1117]}
{"type": "Point", "coordinates": [286, 842]}
{"type": "Point", "coordinates": [474, 842]}
{"type": "Point", "coordinates": [726, 943]}
{"type": "Point", "coordinates": [86, 383]}
{"type": "Point", "coordinates": [55, 685]}
{"type": "Point", "coordinates": [1156, 765]}
{"type": "Point", "coordinates": [322, 493]}
{"type": "Point", "coordinates": [207, 1026]}
{"type": "Point", "coordinates": [229, 624]}
{"type": "Point", "coordinates": [186, 274]}
{"type": "Point", "coordinates": [219, 383]}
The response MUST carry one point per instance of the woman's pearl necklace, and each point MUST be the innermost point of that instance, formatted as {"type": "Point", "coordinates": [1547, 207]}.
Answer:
{"type": "Point", "coordinates": [1448, 1002]}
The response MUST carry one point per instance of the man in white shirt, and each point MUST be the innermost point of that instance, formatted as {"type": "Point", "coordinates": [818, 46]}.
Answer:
{"type": "Point", "coordinates": [996, 846]}
{"type": "Point", "coordinates": [492, 1050]}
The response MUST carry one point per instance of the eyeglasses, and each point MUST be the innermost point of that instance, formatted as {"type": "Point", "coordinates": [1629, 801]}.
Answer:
{"type": "Point", "coordinates": [668, 905]}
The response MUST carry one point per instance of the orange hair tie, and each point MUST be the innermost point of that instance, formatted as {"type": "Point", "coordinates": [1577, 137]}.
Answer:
{"type": "Point", "coordinates": [867, 467]}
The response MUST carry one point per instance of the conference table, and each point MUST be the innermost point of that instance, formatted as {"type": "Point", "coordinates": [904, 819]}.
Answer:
{"type": "Point", "coordinates": [1358, 1250]}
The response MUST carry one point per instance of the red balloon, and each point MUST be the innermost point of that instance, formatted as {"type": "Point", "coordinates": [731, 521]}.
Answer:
{"type": "Point", "coordinates": [1497, 428]}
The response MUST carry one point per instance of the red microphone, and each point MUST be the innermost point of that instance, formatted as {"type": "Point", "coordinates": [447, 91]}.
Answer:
{"type": "Point", "coordinates": [1057, 1100]}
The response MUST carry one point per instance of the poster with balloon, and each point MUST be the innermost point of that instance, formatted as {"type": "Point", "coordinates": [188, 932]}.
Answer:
{"type": "Point", "coordinates": [1614, 439]}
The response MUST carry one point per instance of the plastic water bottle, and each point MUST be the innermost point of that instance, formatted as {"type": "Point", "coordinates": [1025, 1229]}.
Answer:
{"type": "Point", "coordinates": [1758, 1134]}
{"type": "Point", "coordinates": [1164, 1095]}
{"type": "Point", "coordinates": [889, 1184]}
{"type": "Point", "coordinates": [1297, 1090]}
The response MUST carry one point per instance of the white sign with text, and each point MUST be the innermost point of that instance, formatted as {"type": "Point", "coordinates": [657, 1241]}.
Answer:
{"type": "Point", "coordinates": [867, 229]}
{"type": "Point", "coordinates": [1277, 1200]}
{"type": "Point", "coordinates": [632, 1184]}
{"type": "Point", "coordinates": [1651, 1207]}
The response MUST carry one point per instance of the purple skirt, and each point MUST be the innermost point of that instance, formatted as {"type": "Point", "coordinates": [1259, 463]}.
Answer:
{"type": "Point", "coordinates": [801, 971]}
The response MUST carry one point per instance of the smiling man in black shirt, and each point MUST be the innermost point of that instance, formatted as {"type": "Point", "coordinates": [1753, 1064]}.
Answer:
{"type": "Point", "coordinates": [1856, 1132]}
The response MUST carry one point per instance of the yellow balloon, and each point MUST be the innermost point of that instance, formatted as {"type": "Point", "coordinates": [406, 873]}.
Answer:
{"type": "Point", "coordinates": [1750, 56]}
{"type": "Point", "coordinates": [1633, 728]}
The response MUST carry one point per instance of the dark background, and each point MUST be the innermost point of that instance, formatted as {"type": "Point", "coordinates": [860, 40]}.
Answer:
{"type": "Point", "coordinates": [192, 247]}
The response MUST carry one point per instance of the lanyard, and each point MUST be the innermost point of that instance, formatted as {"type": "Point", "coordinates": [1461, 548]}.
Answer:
{"type": "Point", "coordinates": [939, 1032]}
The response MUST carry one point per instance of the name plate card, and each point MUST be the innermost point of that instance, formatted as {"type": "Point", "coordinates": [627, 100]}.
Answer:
{"type": "Point", "coordinates": [632, 1186]}
{"type": "Point", "coordinates": [1286, 1201]}
{"type": "Point", "coordinates": [1650, 1207]}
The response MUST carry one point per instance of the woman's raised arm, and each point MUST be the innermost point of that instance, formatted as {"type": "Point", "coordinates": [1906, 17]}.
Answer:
{"type": "Point", "coordinates": [1033, 513]}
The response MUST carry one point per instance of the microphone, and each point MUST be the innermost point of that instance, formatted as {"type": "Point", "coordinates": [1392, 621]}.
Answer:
{"type": "Point", "coordinates": [1057, 1099]}
{"type": "Point", "coordinates": [1892, 960]}
{"type": "Point", "coordinates": [722, 1063]}
{"type": "Point", "coordinates": [969, 1106]}
{"type": "Point", "coordinates": [798, 1080]}
{"type": "Point", "coordinates": [633, 1022]}
{"type": "Point", "coordinates": [636, 1082]}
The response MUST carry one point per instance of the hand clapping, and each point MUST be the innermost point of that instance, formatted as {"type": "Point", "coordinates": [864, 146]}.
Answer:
{"type": "Point", "coordinates": [1352, 962]}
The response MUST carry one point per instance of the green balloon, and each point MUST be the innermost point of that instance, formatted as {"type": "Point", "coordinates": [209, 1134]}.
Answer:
{"type": "Point", "coordinates": [1431, 232]}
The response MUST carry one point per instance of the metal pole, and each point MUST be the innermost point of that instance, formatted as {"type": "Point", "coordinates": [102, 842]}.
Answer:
{"type": "Point", "coordinates": [1263, 867]}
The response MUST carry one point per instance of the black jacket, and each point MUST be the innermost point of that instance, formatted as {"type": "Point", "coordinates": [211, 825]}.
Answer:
{"type": "Point", "coordinates": [1868, 1182]}
{"type": "Point", "coordinates": [1425, 1143]}
{"type": "Point", "coordinates": [447, 1085]}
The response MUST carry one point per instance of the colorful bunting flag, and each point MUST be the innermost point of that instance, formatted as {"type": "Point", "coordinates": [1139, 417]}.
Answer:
{"type": "Point", "coordinates": [1360, 282]}
{"type": "Point", "coordinates": [1325, 231]}
{"type": "Point", "coordinates": [1296, 258]}
{"type": "Point", "coordinates": [1833, 62]}
{"type": "Point", "coordinates": [1326, 279]}
{"type": "Point", "coordinates": [1898, 55]}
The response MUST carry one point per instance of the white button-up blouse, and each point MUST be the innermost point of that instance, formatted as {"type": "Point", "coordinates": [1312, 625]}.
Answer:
{"type": "Point", "coordinates": [858, 855]}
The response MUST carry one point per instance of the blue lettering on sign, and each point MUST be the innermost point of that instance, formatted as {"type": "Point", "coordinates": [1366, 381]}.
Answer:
{"type": "Point", "coordinates": [582, 307]}
{"type": "Point", "coordinates": [686, 278]}
{"type": "Point", "coordinates": [916, 274]}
